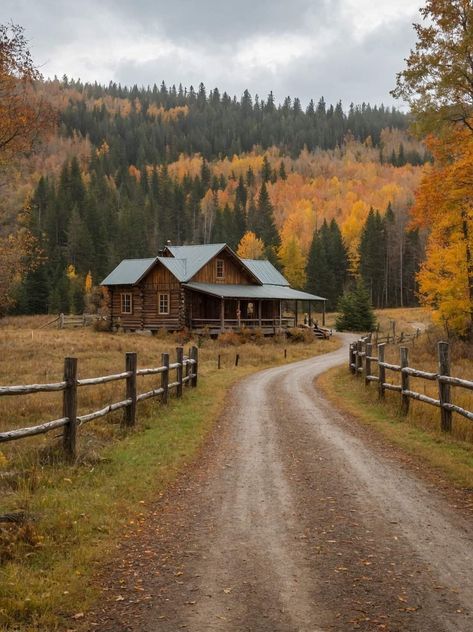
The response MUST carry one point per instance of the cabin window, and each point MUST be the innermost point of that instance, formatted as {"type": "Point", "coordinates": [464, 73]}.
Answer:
{"type": "Point", "coordinates": [220, 269]}
{"type": "Point", "coordinates": [126, 303]}
{"type": "Point", "coordinates": [163, 303]}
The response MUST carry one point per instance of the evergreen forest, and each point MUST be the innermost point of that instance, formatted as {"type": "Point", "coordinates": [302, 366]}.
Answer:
{"type": "Point", "coordinates": [323, 193]}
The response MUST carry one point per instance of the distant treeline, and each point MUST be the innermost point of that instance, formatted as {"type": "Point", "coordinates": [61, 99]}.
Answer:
{"type": "Point", "coordinates": [161, 123]}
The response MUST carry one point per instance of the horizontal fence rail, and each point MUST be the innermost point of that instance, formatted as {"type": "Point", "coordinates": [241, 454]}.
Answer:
{"type": "Point", "coordinates": [186, 368]}
{"type": "Point", "coordinates": [361, 359]}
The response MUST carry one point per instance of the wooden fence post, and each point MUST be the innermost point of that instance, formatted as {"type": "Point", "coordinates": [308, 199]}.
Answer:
{"type": "Point", "coordinates": [188, 368]}
{"type": "Point", "coordinates": [358, 358]}
{"type": "Point", "coordinates": [218, 362]}
{"type": "Point", "coordinates": [69, 407]}
{"type": "Point", "coordinates": [369, 350]}
{"type": "Point", "coordinates": [180, 361]}
{"type": "Point", "coordinates": [381, 370]}
{"type": "Point", "coordinates": [130, 366]}
{"type": "Point", "coordinates": [444, 389]}
{"type": "Point", "coordinates": [351, 357]}
{"type": "Point", "coordinates": [404, 355]}
{"type": "Point", "coordinates": [195, 357]}
{"type": "Point", "coordinates": [165, 378]}
{"type": "Point", "coordinates": [237, 359]}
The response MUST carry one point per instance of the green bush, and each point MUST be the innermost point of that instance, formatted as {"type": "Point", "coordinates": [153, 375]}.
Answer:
{"type": "Point", "coordinates": [355, 310]}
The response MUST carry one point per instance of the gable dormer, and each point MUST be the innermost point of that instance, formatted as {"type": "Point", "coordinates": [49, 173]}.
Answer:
{"type": "Point", "coordinates": [213, 263]}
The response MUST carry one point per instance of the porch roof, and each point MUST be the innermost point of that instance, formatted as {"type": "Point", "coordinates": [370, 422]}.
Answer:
{"type": "Point", "coordinates": [277, 292]}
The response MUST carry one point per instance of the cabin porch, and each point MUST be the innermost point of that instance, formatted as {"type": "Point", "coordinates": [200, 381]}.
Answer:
{"type": "Point", "coordinates": [214, 314]}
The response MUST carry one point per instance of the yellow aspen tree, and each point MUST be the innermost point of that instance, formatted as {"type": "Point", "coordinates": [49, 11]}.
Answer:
{"type": "Point", "coordinates": [444, 204]}
{"type": "Point", "coordinates": [293, 262]}
{"type": "Point", "coordinates": [250, 247]}
{"type": "Point", "coordinates": [88, 282]}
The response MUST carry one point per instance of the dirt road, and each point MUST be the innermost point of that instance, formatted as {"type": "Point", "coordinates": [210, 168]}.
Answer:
{"type": "Point", "coordinates": [298, 521]}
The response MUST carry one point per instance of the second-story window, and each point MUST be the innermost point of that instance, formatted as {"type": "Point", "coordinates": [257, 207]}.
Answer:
{"type": "Point", "coordinates": [220, 265]}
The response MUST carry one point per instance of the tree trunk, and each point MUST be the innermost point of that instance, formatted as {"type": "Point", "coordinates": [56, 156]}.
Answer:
{"type": "Point", "coordinates": [469, 265]}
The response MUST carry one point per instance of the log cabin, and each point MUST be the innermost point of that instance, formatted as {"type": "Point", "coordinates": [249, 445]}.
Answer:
{"type": "Point", "coordinates": [202, 288]}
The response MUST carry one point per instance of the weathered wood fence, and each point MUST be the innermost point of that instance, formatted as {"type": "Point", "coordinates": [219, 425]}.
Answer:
{"type": "Point", "coordinates": [362, 359]}
{"type": "Point", "coordinates": [73, 320]}
{"type": "Point", "coordinates": [186, 368]}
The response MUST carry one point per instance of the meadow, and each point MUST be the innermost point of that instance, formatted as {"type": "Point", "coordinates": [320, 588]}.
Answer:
{"type": "Point", "coordinates": [75, 513]}
{"type": "Point", "coordinates": [30, 354]}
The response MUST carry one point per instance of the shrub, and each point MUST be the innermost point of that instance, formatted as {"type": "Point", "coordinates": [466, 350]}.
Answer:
{"type": "Point", "coordinates": [182, 336]}
{"type": "Point", "coordinates": [299, 334]}
{"type": "Point", "coordinates": [356, 311]}
{"type": "Point", "coordinates": [248, 334]}
{"type": "Point", "coordinates": [101, 324]}
{"type": "Point", "coordinates": [229, 338]}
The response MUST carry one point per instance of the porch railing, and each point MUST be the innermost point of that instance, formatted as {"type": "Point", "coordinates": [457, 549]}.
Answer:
{"type": "Point", "coordinates": [234, 323]}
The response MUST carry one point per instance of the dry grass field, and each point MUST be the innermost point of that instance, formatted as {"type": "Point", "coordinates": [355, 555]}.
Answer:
{"type": "Point", "coordinates": [33, 355]}
{"type": "Point", "coordinates": [423, 355]}
{"type": "Point", "coordinates": [406, 319]}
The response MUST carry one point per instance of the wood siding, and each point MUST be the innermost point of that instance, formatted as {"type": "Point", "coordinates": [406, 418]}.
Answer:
{"type": "Point", "coordinates": [127, 321]}
{"type": "Point", "coordinates": [145, 313]}
{"type": "Point", "coordinates": [235, 274]}
{"type": "Point", "coordinates": [183, 304]}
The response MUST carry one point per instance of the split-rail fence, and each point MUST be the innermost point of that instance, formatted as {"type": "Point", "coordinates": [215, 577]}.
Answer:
{"type": "Point", "coordinates": [186, 368]}
{"type": "Point", "coordinates": [362, 359]}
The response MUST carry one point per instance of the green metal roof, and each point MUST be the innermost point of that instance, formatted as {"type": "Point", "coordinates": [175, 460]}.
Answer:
{"type": "Point", "coordinates": [129, 271]}
{"type": "Point", "coordinates": [185, 262]}
{"type": "Point", "coordinates": [265, 271]}
{"type": "Point", "coordinates": [267, 291]}
{"type": "Point", "coordinates": [177, 267]}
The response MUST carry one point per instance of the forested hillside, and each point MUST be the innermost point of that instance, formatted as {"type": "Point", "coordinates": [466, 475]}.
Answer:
{"type": "Point", "coordinates": [322, 192]}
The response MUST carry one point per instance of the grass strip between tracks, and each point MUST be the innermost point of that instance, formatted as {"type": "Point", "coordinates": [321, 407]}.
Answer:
{"type": "Point", "coordinates": [449, 458]}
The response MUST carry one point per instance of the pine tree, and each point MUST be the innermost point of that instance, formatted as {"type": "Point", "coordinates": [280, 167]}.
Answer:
{"type": "Point", "coordinates": [265, 227]}
{"type": "Point", "coordinates": [320, 278]}
{"type": "Point", "coordinates": [338, 261]}
{"type": "Point", "coordinates": [373, 256]}
{"type": "Point", "coordinates": [241, 193]}
{"type": "Point", "coordinates": [266, 169]}
{"type": "Point", "coordinates": [355, 310]}
{"type": "Point", "coordinates": [282, 171]}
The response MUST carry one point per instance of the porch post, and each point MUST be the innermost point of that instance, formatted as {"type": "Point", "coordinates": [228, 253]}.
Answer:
{"type": "Point", "coordinates": [310, 314]}
{"type": "Point", "coordinates": [280, 315]}
{"type": "Point", "coordinates": [222, 314]}
{"type": "Point", "coordinates": [295, 319]}
{"type": "Point", "coordinates": [260, 304]}
{"type": "Point", "coordinates": [323, 314]}
{"type": "Point", "coordinates": [239, 313]}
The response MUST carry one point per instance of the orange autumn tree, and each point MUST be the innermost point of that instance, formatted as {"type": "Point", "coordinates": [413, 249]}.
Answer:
{"type": "Point", "coordinates": [444, 205]}
{"type": "Point", "coordinates": [23, 113]}
{"type": "Point", "coordinates": [24, 116]}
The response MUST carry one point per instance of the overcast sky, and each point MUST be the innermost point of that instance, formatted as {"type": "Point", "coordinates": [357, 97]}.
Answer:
{"type": "Point", "coordinates": [341, 49]}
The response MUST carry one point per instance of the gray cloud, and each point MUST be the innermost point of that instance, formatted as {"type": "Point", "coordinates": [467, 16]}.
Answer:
{"type": "Point", "coordinates": [344, 49]}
